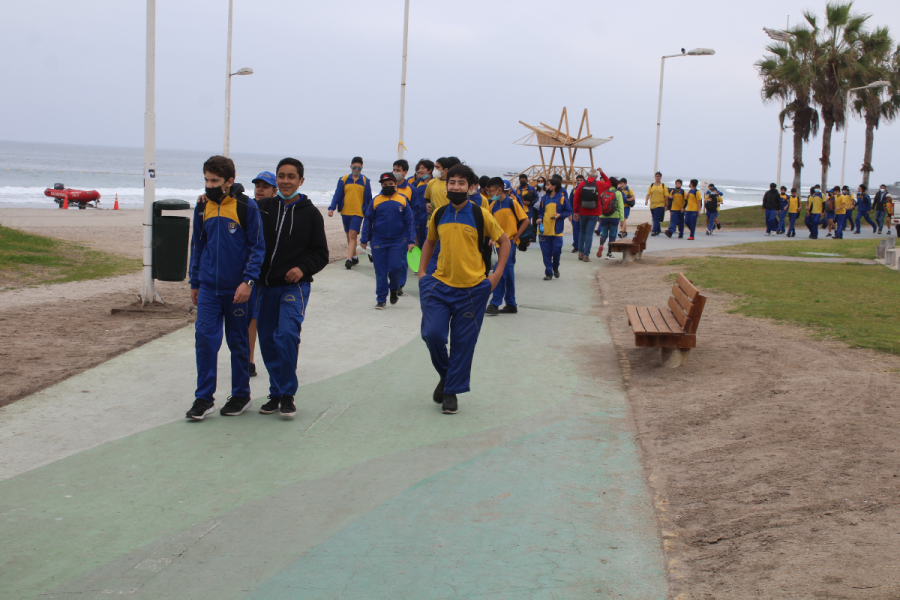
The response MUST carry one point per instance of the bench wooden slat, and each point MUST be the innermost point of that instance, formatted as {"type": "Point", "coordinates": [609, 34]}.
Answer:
{"type": "Point", "coordinates": [696, 312]}
{"type": "Point", "coordinates": [671, 321]}
{"type": "Point", "coordinates": [647, 320]}
{"type": "Point", "coordinates": [686, 341]}
{"type": "Point", "coordinates": [662, 322]}
{"type": "Point", "coordinates": [634, 320]}
{"type": "Point", "coordinates": [682, 299]}
{"type": "Point", "coordinates": [686, 286]}
{"type": "Point", "coordinates": [624, 247]}
{"type": "Point", "coordinates": [678, 312]}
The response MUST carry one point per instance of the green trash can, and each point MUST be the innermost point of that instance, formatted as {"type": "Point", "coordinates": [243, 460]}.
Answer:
{"type": "Point", "coordinates": [171, 239]}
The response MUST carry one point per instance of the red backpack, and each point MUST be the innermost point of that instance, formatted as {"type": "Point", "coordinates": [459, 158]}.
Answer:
{"type": "Point", "coordinates": [608, 204]}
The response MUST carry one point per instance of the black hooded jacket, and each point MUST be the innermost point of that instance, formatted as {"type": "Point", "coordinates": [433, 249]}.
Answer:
{"type": "Point", "coordinates": [771, 201]}
{"type": "Point", "coordinates": [295, 237]}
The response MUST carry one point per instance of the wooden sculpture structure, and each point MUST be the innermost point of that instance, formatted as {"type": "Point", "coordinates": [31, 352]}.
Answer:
{"type": "Point", "coordinates": [545, 136]}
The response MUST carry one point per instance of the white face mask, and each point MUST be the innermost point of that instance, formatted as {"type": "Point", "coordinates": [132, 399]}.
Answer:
{"type": "Point", "coordinates": [437, 174]}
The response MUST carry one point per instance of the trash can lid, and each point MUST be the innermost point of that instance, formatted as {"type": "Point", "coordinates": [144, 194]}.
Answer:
{"type": "Point", "coordinates": [171, 204]}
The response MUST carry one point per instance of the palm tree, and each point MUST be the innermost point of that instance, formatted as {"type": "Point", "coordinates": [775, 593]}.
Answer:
{"type": "Point", "coordinates": [881, 62]}
{"type": "Point", "coordinates": [837, 61]}
{"type": "Point", "coordinates": [788, 72]}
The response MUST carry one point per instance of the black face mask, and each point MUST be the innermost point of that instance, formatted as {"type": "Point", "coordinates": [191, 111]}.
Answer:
{"type": "Point", "coordinates": [388, 190]}
{"type": "Point", "coordinates": [457, 198]}
{"type": "Point", "coordinates": [215, 194]}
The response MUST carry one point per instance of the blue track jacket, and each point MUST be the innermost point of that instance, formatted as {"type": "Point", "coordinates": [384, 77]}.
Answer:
{"type": "Point", "coordinates": [337, 201]}
{"type": "Point", "coordinates": [222, 253]}
{"type": "Point", "coordinates": [388, 220]}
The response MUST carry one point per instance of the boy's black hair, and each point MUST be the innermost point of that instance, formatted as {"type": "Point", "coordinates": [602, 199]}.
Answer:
{"type": "Point", "coordinates": [485, 181]}
{"type": "Point", "coordinates": [220, 165]}
{"type": "Point", "coordinates": [864, 187]}
{"type": "Point", "coordinates": [496, 182]}
{"type": "Point", "coordinates": [581, 177]}
{"type": "Point", "coordinates": [847, 187]}
{"type": "Point", "coordinates": [614, 181]}
{"type": "Point", "coordinates": [523, 176]}
{"type": "Point", "coordinates": [657, 173]}
{"type": "Point", "coordinates": [772, 186]}
{"type": "Point", "coordinates": [712, 185]}
{"type": "Point", "coordinates": [793, 190]}
{"type": "Point", "coordinates": [464, 171]}
{"type": "Point", "coordinates": [812, 190]}
{"type": "Point", "coordinates": [443, 162]}
{"type": "Point", "coordinates": [452, 161]}
{"type": "Point", "coordinates": [694, 183]}
{"type": "Point", "coordinates": [676, 181]}
{"type": "Point", "coordinates": [403, 164]}
{"type": "Point", "coordinates": [356, 159]}
{"type": "Point", "coordinates": [623, 180]}
{"type": "Point", "coordinates": [291, 161]}
{"type": "Point", "coordinates": [783, 188]}
{"type": "Point", "coordinates": [428, 164]}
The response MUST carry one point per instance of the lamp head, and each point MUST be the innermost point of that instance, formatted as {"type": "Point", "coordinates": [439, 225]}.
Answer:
{"type": "Point", "coordinates": [244, 71]}
{"type": "Point", "coordinates": [700, 52]}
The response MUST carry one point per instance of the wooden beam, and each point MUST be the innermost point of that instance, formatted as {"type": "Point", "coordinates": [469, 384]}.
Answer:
{"type": "Point", "coordinates": [686, 286]}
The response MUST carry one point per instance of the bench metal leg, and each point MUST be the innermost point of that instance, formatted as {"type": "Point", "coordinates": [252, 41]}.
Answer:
{"type": "Point", "coordinates": [672, 358]}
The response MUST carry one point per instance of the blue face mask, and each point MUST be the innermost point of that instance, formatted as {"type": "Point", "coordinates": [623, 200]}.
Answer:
{"type": "Point", "coordinates": [288, 198]}
{"type": "Point", "coordinates": [494, 198]}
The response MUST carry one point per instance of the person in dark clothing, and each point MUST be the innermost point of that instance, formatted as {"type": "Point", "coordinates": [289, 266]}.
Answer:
{"type": "Point", "coordinates": [772, 205]}
{"type": "Point", "coordinates": [878, 205]}
{"type": "Point", "coordinates": [296, 249]}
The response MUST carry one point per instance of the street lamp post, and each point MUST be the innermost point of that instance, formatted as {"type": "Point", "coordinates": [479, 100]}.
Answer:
{"type": "Point", "coordinates": [147, 289]}
{"type": "Point", "coordinates": [228, 76]}
{"type": "Point", "coordinates": [876, 84]}
{"type": "Point", "coordinates": [400, 146]}
{"type": "Point", "coordinates": [662, 67]}
{"type": "Point", "coordinates": [779, 36]}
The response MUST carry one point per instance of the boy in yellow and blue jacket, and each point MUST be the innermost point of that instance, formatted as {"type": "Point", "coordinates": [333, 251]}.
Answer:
{"type": "Point", "coordinates": [352, 197]}
{"type": "Point", "coordinates": [390, 226]}
{"type": "Point", "coordinates": [553, 211]}
{"type": "Point", "coordinates": [513, 220]}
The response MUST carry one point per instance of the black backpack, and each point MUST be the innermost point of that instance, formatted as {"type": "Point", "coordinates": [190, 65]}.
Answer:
{"type": "Point", "coordinates": [590, 195]}
{"type": "Point", "coordinates": [478, 216]}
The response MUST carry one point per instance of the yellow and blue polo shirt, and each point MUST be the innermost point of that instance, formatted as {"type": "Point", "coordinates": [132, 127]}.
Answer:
{"type": "Point", "coordinates": [352, 198]}
{"type": "Point", "coordinates": [508, 212]}
{"type": "Point", "coordinates": [814, 204]}
{"type": "Point", "coordinates": [794, 204]}
{"type": "Point", "coordinates": [679, 198]}
{"type": "Point", "coordinates": [658, 193]}
{"type": "Point", "coordinates": [694, 200]}
{"type": "Point", "coordinates": [460, 264]}
{"type": "Point", "coordinates": [436, 194]}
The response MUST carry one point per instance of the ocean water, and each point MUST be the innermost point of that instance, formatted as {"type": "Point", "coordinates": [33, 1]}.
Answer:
{"type": "Point", "coordinates": [27, 169]}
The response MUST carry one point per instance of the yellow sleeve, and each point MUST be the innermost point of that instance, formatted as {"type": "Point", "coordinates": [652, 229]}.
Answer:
{"type": "Point", "coordinates": [519, 211]}
{"type": "Point", "coordinates": [428, 191]}
{"type": "Point", "coordinates": [432, 231]}
{"type": "Point", "coordinates": [492, 228]}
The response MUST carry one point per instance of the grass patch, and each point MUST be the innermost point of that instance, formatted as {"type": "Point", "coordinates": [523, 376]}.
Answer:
{"type": "Point", "coordinates": [743, 217]}
{"type": "Point", "coordinates": [853, 303]}
{"type": "Point", "coordinates": [28, 259]}
{"type": "Point", "coordinates": [843, 248]}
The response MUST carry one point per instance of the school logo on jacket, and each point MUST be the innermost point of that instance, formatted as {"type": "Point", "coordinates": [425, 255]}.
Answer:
{"type": "Point", "coordinates": [239, 312]}
{"type": "Point", "coordinates": [232, 227]}
{"type": "Point", "coordinates": [289, 299]}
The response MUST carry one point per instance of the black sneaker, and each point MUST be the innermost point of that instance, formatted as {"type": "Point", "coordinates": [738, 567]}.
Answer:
{"type": "Point", "coordinates": [271, 406]}
{"type": "Point", "coordinates": [371, 260]}
{"type": "Point", "coordinates": [348, 263]}
{"type": "Point", "coordinates": [654, 234]}
{"type": "Point", "coordinates": [287, 406]}
{"type": "Point", "coordinates": [448, 405]}
{"type": "Point", "coordinates": [668, 233]}
{"type": "Point", "coordinates": [574, 250]}
{"type": "Point", "coordinates": [509, 309]}
{"type": "Point", "coordinates": [356, 259]}
{"type": "Point", "coordinates": [719, 226]}
{"type": "Point", "coordinates": [492, 310]}
{"type": "Point", "coordinates": [200, 409]}
{"type": "Point", "coordinates": [394, 297]}
{"type": "Point", "coordinates": [399, 291]}
{"type": "Point", "coordinates": [556, 273]}
{"type": "Point", "coordinates": [380, 306]}
{"type": "Point", "coordinates": [548, 277]}
{"type": "Point", "coordinates": [235, 406]}
{"type": "Point", "coordinates": [438, 395]}
{"type": "Point", "coordinates": [252, 370]}
{"type": "Point", "coordinates": [680, 235]}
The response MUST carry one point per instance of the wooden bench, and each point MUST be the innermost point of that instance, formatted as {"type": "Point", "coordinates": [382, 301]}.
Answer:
{"type": "Point", "coordinates": [672, 328]}
{"type": "Point", "coordinates": [634, 248]}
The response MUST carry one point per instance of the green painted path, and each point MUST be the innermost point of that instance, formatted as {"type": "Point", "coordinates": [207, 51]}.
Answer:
{"type": "Point", "coordinates": [534, 490]}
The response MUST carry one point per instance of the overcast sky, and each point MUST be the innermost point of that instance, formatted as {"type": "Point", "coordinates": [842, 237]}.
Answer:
{"type": "Point", "coordinates": [327, 74]}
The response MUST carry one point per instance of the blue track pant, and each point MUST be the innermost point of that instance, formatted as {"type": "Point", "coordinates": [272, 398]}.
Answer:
{"type": "Point", "coordinates": [864, 214]}
{"type": "Point", "coordinates": [841, 222]}
{"type": "Point", "coordinates": [771, 221]}
{"type": "Point", "coordinates": [281, 312]}
{"type": "Point", "coordinates": [506, 287]}
{"type": "Point", "coordinates": [690, 220]}
{"type": "Point", "coordinates": [793, 220]}
{"type": "Point", "coordinates": [212, 311]}
{"type": "Point", "coordinates": [576, 235]}
{"type": "Point", "coordinates": [676, 221]}
{"type": "Point", "coordinates": [711, 220]}
{"type": "Point", "coordinates": [658, 213]}
{"type": "Point", "coordinates": [781, 217]}
{"type": "Point", "coordinates": [421, 233]}
{"type": "Point", "coordinates": [390, 262]}
{"type": "Point", "coordinates": [459, 312]}
{"type": "Point", "coordinates": [586, 224]}
{"type": "Point", "coordinates": [812, 223]}
{"type": "Point", "coordinates": [551, 248]}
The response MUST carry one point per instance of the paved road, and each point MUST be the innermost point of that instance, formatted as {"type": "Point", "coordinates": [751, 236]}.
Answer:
{"type": "Point", "coordinates": [534, 490]}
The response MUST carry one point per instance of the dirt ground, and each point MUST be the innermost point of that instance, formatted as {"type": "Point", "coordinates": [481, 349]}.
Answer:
{"type": "Point", "coordinates": [773, 457]}
{"type": "Point", "coordinates": [51, 332]}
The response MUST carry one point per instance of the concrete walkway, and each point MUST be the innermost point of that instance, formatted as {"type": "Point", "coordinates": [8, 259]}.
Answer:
{"type": "Point", "coordinates": [534, 490]}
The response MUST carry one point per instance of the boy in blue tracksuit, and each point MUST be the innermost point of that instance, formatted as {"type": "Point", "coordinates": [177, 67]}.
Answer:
{"type": "Point", "coordinates": [389, 225]}
{"type": "Point", "coordinates": [418, 203]}
{"type": "Point", "coordinates": [227, 251]}
{"type": "Point", "coordinates": [513, 220]}
{"type": "Point", "coordinates": [454, 296]}
{"type": "Point", "coordinates": [296, 249]}
{"type": "Point", "coordinates": [863, 206]}
{"type": "Point", "coordinates": [553, 211]}
{"type": "Point", "coordinates": [401, 168]}
{"type": "Point", "coordinates": [352, 197]}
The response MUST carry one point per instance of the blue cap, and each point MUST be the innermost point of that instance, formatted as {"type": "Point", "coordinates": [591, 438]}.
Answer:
{"type": "Point", "coordinates": [265, 177]}
{"type": "Point", "coordinates": [507, 185]}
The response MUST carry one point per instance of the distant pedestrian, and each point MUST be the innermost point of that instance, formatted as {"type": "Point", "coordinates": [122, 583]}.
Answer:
{"type": "Point", "coordinates": [711, 203]}
{"type": "Point", "coordinates": [612, 209]}
{"type": "Point", "coordinates": [793, 211]}
{"type": "Point", "coordinates": [842, 201]}
{"type": "Point", "coordinates": [424, 169]}
{"type": "Point", "coordinates": [813, 213]}
{"type": "Point", "coordinates": [512, 219]}
{"type": "Point", "coordinates": [553, 211]}
{"type": "Point", "coordinates": [782, 216]}
{"type": "Point", "coordinates": [771, 204]}
{"type": "Point", "coordinates": [629, 202]}
{"type": "Point", "coordinates": [863, 206]}
{"type": "Point", "coordinates": [656, 198]}
{"type": "Point", "coordinates": [586, 210]}
{"type": "Point", "coordinates": [351, 198]}
{"type": "Point", "coordinates": [576, 232]}
{"type": "Point", "coordinates": [677, 202]}
{"type": "Point", "coordinates": [829, 209]}
{"type": "Point", "coordinates": [694, 200]}
{"type": "Point", "coordinates": [880, 208]}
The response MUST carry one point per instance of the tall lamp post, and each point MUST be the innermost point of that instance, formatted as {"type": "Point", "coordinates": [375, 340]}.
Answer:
{"type": "Point", "coordinates": [874, 85]}
{"type": "Point", "coordinates": [662, 67]}
{"type": "Point", "coordinates": [147, 289]}
{"type": "Point", "coordinates": [228, 76]}
{"type": "Point", "coordinates": [400, 146]}
{"type": "Point", "coordinates": [779, 36]}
